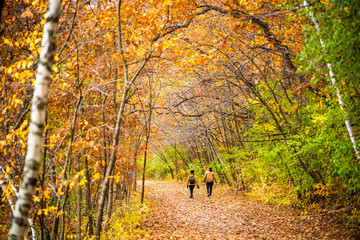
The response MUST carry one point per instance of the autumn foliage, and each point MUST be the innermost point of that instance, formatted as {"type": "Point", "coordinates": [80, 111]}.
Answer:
{"type": "Point", "coordinates": [241, 86]}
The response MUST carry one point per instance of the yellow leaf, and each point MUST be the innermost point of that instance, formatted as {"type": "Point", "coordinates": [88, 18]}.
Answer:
{"type": "Point", "coordinates": [47, 194]}
{"type": "Point", "coordinates": [59, 213]}
{"type": "Point", "coordinates": [96, 176]}
{"type": "Point", "coordinates": [53, 208]}
{"type": "Point", "coordinates": [37, 40]}
{"type": "Point", "coordinates": [36, 198]}
{"type": "Point", "coordinates": [117, 178]}
{"type": "Point", "coordinates": [82, 182]}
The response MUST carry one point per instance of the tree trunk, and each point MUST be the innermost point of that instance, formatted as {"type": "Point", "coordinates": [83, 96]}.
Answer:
{"type": "Point", "coordinates": [2, 4]}
{"type": "Point", "coordinates": [147, 134]}
{"type": "Point", "coordinates": [43, 229]}
{"type": "Point", "coordinates": [174, 161]}
{"type": "Point", "coordinates": [54, 233]}
{"type": "Point", "coordinates": [143, 177]}
{"type": "Point", "coordinates": [112, 160]}
{"type": "Point", "coordinates": [136, 146]}
{"type": "Point", "coordinates": [182, 157]}
{"type": "Point", "coordinates": [88, 209]}
{"type": "Point", "coordinates": [62, 233]}
{"type": "Point", "coordinates": [78, 202]}
{"type": "Point", "coordinates": [3, 183]}
{"type": "Point", "coordinates": [109, 201]}
{"type": "Point", "coordinates": [105, 152]}
{"type": "Point", "coordinates": [37, 125]}
{"type": "Point", "coordinates": [127, 85]}
{"type": "Point", "coordinates": [162, 156]}
{"type": "Point", "coordinates": [335, 85]}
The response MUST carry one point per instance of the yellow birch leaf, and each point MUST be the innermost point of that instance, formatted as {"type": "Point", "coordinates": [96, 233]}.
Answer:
{"type": "Point", "coordinates": [96, 176]}
{"type": "Point", "coordinates": [46, 212]}
{"type": "Point", "coordinates": [36, 198]}
{"type": "Point", "coordinates": [60, 213]}
{"type": "Point", "coordinates": [82, 182]}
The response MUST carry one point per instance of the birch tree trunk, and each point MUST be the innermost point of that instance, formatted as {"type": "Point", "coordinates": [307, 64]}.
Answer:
{"type": "Point", "coordinates": [338, 93]}
{"type": "Point", "coordinates": [20, 224]}
{"type": "Point", "coordinates": [3, 183]}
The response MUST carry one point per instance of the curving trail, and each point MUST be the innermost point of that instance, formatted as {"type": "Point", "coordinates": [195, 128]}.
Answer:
{"type": "Point", "coordinates": [224, 216]}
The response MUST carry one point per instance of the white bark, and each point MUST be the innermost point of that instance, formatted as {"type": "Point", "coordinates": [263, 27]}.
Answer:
{"type": "Point", "coordinates": [20, 226]}
{"type": "Point", "coordinates": [338, 93]}
{"type": "Point", "coordinates": [11, 201]}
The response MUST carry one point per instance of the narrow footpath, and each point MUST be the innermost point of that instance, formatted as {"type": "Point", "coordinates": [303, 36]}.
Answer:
{"type": "Point", "coordinates": [225, 216]}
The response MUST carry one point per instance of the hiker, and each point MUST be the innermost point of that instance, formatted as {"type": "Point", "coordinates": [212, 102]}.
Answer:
{"type": "Point", "coordinates": [209, 178]}
{"type": "Point", "coordinates": [191, 182]}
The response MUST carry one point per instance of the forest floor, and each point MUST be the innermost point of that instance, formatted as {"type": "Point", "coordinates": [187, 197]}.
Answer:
{"type": "Point", "coordinates": [226, 216]}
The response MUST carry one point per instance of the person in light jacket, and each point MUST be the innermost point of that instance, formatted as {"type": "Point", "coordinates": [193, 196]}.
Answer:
{"type": "Point", "coordinates": [209, 178]}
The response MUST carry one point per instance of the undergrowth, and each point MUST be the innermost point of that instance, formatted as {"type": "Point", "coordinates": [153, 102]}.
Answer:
{"type": "Point", "coordinates": [126, 220]}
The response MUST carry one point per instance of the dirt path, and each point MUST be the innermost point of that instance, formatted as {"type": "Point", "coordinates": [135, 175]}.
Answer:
{"type": "Point", "coordinates": [224, 216]}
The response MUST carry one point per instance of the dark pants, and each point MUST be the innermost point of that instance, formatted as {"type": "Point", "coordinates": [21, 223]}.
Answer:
{"type": "Point", "coordinates": [209, 186]}
{"type": "Point", "coordinates": [191, 190]}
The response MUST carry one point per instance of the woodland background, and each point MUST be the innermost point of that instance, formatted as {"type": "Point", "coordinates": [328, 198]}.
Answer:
{"type": "Point", "coordinates": [262, 91]}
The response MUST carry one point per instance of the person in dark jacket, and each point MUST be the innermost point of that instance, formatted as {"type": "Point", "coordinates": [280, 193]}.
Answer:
{"type": "Point", "coordinates": [191, 182]}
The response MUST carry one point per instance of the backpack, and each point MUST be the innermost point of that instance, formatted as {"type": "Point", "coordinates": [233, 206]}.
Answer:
{"type": "Point", "coordinates": [192, 180]}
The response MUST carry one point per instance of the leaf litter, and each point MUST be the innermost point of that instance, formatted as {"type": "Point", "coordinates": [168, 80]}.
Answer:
{"type": "Point", "coordinates": [224, 216]}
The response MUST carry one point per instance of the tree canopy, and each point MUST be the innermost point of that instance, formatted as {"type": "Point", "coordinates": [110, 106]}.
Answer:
{"type": "Point", "coordinates": [265, 92]}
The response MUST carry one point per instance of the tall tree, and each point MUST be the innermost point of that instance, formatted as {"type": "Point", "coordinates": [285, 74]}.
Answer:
{"type": "Point", "coordinates": [37, 123]}
{"type": "Point", "coordinates": [335, 83]}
